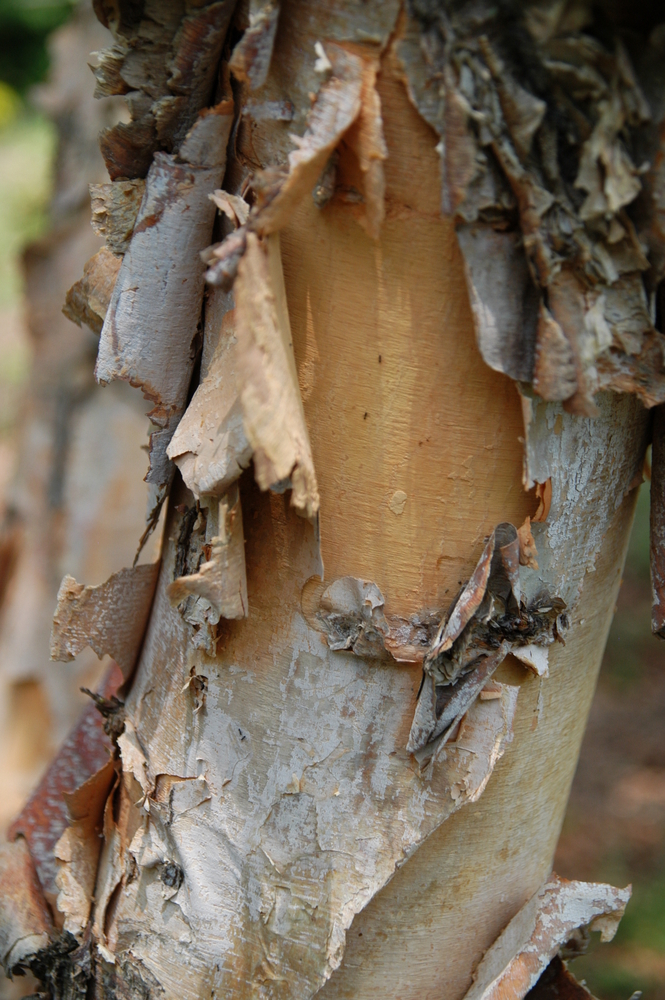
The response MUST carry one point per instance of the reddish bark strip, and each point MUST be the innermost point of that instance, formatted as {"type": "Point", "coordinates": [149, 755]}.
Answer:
{"type": "Point", "coordinates": [45, 815]}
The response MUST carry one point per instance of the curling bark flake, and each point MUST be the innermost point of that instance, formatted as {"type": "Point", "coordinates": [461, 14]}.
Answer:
{"type": "Point", "coordinates": [111, 617]}
{"type": "Point", "coordinates": [88, 299]}
{"type": "Point", "coordinates": [114, 210]}
{"type": "Point", "coordinates": [556, 917]}
{"type": "Point", "coordinates": [269, 393]}
{"type": "Point", "coordinates": [295, 747]}
{"type": "Point", "coordinates": [148, 337]}
{"type": "Point", "coordinates": [79, 847]}
{"type": "Point", "coordinates": [210, 446]}
{"type": "Point", "coordinates": [164, 61]}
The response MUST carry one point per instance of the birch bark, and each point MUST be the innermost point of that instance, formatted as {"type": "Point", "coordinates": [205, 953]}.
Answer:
{"type": "Point", "coordinates": [270, 832]}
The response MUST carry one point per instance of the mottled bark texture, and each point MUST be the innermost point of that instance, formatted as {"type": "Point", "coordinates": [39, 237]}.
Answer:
{"type": "Point", "coordinates": [401, 434]}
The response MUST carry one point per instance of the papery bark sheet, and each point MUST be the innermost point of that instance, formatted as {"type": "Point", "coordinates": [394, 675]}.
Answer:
{"type": "Point", "coordinates": [515, 962]}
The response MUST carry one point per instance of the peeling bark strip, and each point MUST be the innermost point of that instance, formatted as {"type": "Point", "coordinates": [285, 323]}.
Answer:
{"type": "Point", "coordinates": [25, 922]}
{"type": "Point", "coordinates": [551, 918]}
{"type": "Point", "coordinates": [250, 61]}
{"type": "Point", "coordinates": [438, 715]}
{"type": "Point", "coordinates": [347, 106]}
{"type": "Point", "coordinates": [111, 618]}
{"type": "Point", "coordinates": [489, 619]}
{"type": "Point", "coordinates": [365, 137]}
{"type": "Point", "coordinates": [149, 334]}
{"type": "Point", "coordinates": [210, 446]}
{"type": "Point", "coordinates": [269, 391]}
{"type": "Point", "coordinates": [164, 62]}
{"type": "Point", "coordinates": [77, 851]}
{"type": "Point", "coordinates": [45, 817]}
{"type": "Point", "coordinates": [657, 542]}
{"type": "Point", "coordinates": [556, 219]}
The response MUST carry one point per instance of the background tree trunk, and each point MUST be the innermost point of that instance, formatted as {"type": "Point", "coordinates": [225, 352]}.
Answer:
{"type": "Point", "coordinates": [76, 501]}
{"type": "Point", "coordinates": [275, 821]}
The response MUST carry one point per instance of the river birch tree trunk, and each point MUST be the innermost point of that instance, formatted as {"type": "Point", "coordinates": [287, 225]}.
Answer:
{"type": "Point", "coordinates": [388, 278]}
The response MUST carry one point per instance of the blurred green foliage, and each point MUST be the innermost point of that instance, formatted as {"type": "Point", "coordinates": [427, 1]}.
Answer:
{"type": "Point", "coordinates": [27, 139]}
{"type": "Point", "coordinates": [24, 29]}
{"type": "Point", "coordinates": [27, 145]}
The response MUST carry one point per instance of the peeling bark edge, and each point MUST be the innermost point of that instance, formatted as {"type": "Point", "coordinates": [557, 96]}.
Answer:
{"type": "Point", "coordinates": [514, 963]}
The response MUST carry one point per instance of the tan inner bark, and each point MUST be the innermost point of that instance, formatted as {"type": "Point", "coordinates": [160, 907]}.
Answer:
{"type": "Point", "coordinates": [396, 394]}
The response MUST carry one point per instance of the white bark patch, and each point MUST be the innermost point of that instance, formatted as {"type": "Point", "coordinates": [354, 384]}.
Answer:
{"type": "Point", "coordinates": [269, 391]}
{"type": "Point", "coordinates": [77, 851]}
{"type": "Point", "coordinates": [277, 862]}
{"type": "Point", "coordinates": [592, 464]}
{"type": "Point", "coordinates": [210, 446]}
{"type": "Point", "coordinates": [514, 963]}
{"type": "Point", "coordinates": [111, 618]}
{"type": "Point", "coordinates": [149, 332]}
{"type": "Point", "coordinates": [299, 802]}
{"type": "Point", "coordinates": [222, 581]}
